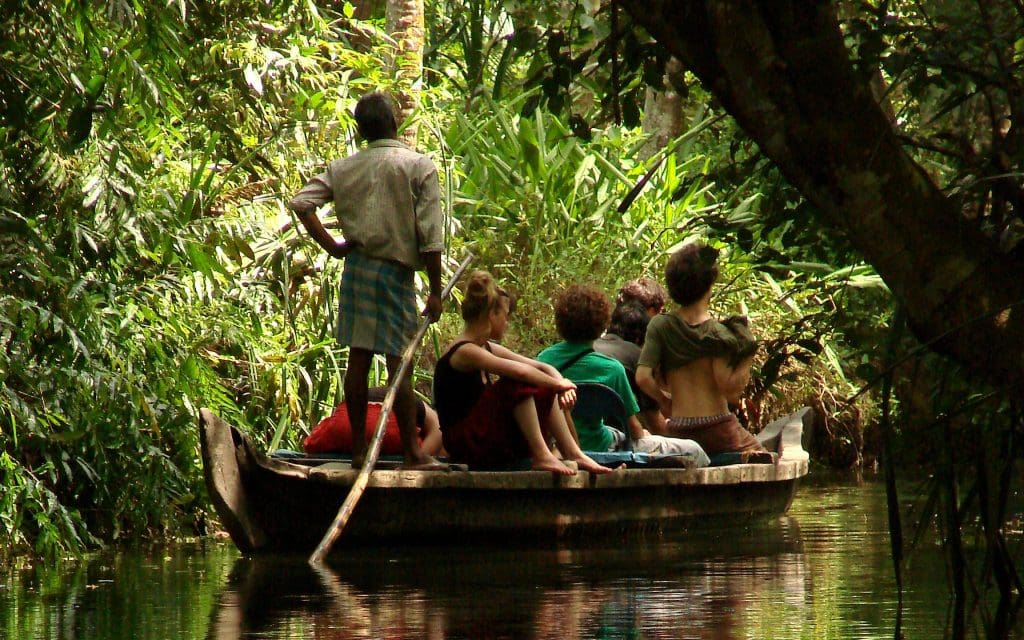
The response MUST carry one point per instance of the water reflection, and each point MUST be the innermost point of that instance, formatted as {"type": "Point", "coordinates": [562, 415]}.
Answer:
{"type": "Point", "coordinates": [830, 577]}
{"type": "Point", "coordinates": [716, 585]}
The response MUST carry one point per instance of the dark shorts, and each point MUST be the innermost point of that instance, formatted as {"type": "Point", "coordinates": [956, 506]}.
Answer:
{"type": "Point", "coordinates": [489, 438]}
{"type": "Point", "coordinates": [720, 434]}
{"type": "Point", "coordinates": [377, 305]}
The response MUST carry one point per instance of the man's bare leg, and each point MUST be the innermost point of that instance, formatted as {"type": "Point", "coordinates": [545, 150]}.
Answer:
{"type": "Point", "coordinates": [405, 414]}
{"type": "Point", "coordinates": [355, 399]}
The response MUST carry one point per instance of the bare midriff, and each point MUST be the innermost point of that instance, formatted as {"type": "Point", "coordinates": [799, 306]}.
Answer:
{"type": "Point", "coordinates": [694, 391]}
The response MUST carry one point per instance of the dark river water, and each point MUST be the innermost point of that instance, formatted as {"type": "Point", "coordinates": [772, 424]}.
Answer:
{"type": "Point", "coordinates": [822, 571]}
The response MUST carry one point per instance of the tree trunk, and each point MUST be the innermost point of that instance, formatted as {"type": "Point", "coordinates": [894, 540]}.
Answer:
{"type": "Point", "coordinates": [663, 112]}
{"type": "Point", "coordinates": [366, 9]}
{"type": "Point", "coordinates": [780, 67]}
{"type": "Point", "coordinates": [405, 23]}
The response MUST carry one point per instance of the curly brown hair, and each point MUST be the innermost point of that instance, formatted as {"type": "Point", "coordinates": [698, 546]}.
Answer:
{"type": "Point", "coordinates": [690, 272]}
{"type": "Point", "coordinates": [629, 322]}
{"type": "Point", "coordinates": [647, 291]}
{"type": "Point", "coordinates": [581, 313]}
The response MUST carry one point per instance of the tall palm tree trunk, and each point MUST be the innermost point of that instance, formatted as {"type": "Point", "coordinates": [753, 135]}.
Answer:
{"type": "Point", "coordinates": [405, 23]}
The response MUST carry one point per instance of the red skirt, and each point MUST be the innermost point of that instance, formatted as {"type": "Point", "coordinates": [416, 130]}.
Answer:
{"type": "Point", "coordinates": [489, 438]}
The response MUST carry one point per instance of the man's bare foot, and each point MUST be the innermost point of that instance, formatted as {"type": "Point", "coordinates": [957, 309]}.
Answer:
{"type": "Point", "coordinates": [358, 461]}
{"type": "Point", "coordinates": [587, 464]}
{"type": "Point", "coordinates": [554, 465]}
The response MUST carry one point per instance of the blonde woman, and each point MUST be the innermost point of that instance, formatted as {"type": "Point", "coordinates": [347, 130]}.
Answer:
{"type": "Point", "coordinates": [487, 423]}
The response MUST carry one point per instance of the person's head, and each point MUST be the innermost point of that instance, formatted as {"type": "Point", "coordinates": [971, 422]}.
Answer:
{"type": "Point", "coordinates": [690, 272]}
{"type": "Point", "coordinates": [375, 117]}
{"type": "Point", "coordinates": [581, 313]}
{"type": "Point", "coordinates": [629, 321]}
{"type": "Point", "coordinates": [645, 291]}
{"type": "Point", "coordinates": [483, 299]}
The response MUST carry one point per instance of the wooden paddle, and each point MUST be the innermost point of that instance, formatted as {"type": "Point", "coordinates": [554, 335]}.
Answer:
{"type": "Point", "coordinates": [373, 448]}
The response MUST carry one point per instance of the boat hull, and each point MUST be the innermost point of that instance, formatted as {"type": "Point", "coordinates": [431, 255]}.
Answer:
{"type": "Point", "coordinates": [269, 505]}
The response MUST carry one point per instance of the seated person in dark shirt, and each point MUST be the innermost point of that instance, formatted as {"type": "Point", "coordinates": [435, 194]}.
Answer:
{"type": "Point", "coordinates": [622, 341]}
{"type": "Point", "coordinates": [646, 292]}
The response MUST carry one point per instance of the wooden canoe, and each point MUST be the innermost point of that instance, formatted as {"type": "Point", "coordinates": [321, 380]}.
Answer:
{"type": "Point", "coordinates": [272, 505]}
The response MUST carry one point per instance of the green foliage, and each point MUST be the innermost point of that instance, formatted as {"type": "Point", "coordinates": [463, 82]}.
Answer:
{"type": "Point", "coordinates": [143, 275]}
{"type": "Point", "coordinates": [540, 205]}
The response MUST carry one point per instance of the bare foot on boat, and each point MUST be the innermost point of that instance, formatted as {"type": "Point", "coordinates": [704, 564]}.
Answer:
{"type": "Point", "coordinates": [358, 461]}
{"type": "Point", "coordinates": [425, 463]}
{"type": "Point", "coordinates": [554, 465]}
{"type": "Point", "coordinates": [587, 464]}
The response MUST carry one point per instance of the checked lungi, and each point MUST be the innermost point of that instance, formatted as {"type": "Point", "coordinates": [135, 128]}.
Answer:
{"type": "Point", "coordinates": [377, 305]}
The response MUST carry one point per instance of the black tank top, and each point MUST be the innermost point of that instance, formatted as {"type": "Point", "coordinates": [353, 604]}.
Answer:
{"type": "Point", "coordinates": [456, 392]}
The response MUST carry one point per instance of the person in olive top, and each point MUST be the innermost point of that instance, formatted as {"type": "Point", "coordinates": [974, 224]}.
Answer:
{"type": "Point", "coordinates": [387, 200]}
{"type": "Point", "coordinates": [581, 315]}
{"type": "Point", "coordinates": [705, 362]}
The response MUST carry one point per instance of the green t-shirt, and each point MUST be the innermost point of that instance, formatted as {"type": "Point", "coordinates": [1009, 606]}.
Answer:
{"type": "Point", "coordinates": [593, 367]}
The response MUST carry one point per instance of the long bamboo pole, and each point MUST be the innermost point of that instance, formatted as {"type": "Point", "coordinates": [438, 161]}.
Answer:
{"type": "Point", "coordinates": [373, 448]}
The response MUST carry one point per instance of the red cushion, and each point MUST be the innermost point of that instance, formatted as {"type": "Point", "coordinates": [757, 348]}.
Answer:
{"type": "Point", "coordinates": [334, 433]}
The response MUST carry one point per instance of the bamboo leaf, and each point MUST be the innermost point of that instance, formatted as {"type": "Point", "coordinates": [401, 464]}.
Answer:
{"type": "Point", "coordinates": [253, 78]}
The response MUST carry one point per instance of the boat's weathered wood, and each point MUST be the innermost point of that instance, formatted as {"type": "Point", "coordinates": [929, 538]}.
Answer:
{"type": "Point", "coordinates": [519, 480]}
{"type": "Point", "coordinates": [273, 505]}
{"type": "Point", "coordinates": [224, 482]}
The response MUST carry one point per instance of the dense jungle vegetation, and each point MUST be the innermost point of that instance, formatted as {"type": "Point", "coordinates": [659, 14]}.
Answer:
{"type": "Point", "coordinates": [148, 266]}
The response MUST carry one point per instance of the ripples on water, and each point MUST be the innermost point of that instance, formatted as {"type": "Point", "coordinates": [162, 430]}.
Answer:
{"type": "Point", "coordinates": [821, 572]}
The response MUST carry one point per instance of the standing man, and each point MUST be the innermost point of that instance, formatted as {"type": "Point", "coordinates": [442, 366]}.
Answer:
{"type": "Point", "coordinates": [388, 202]}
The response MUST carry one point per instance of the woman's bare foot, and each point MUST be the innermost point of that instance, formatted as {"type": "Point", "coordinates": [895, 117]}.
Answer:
{"type": "Point", "coordinates": [554, 465]}
{"type": "Point", "coordinates": [586, 463]}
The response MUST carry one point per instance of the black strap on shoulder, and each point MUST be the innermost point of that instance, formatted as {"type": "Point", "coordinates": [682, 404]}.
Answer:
{"type": "Point", "coordinates": [573, 360]}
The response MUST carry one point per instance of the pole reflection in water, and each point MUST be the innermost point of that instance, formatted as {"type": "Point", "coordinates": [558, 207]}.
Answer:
{"type": "Point", "coordinates": [720, 584]}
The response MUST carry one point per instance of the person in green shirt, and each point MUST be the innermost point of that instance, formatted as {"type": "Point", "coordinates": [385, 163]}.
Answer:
{"type": "Point", "coordinates": [581, 315]}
